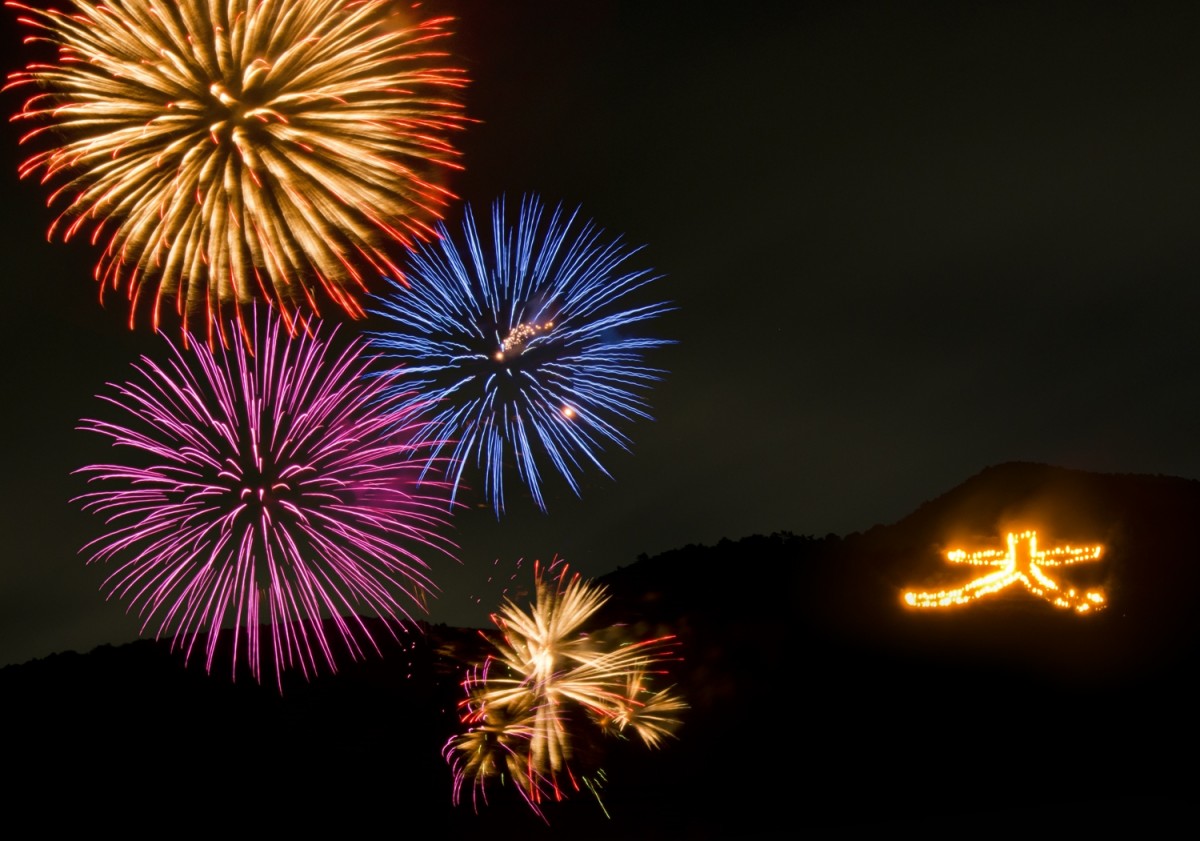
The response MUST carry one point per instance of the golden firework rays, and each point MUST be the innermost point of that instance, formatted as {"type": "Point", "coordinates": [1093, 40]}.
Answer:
{"type": "Point", "coordinates": [242, 150]}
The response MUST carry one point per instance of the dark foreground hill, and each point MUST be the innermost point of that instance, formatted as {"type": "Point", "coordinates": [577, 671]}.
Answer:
{"type": "Point", "coordinates": [817, 700]}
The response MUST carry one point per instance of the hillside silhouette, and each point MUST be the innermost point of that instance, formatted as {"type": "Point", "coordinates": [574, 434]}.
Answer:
{"type": "Point", "coordinates": [817, 699]}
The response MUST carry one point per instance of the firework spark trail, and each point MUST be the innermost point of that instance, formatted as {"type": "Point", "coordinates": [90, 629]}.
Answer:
{"type": "Point", "coordinates": [528, 347]}
{"type": "Point", "coordinates": [276, 488]}
{"type": "Point", "coordinates": [243, 149]}
{"type": "Point", "coordinates": [550, 684]}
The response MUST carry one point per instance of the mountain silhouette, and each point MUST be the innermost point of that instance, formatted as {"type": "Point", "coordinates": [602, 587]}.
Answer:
{"type": "Point", "coordinates": [817, 698]}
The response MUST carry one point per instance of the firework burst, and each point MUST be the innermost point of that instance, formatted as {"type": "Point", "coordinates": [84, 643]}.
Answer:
{"type": "Point", "coordinates": [270, 491]}
{"type": "Point", "coordinates": [242, 149]}
{"type": "Point", "coordinates": [527, 346]}
{"type": "Point", "coordinates": [550, 686]}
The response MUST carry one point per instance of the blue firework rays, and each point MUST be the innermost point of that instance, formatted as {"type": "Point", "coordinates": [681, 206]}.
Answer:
{"type": "Point", "coordinates": [525, 345]}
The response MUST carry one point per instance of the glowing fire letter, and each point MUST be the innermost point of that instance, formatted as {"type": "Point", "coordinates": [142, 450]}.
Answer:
{"type": "Point", "coordinates": [1022, 562]}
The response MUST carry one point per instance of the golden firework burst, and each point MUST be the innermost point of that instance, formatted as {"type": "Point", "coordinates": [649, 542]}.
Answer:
{"type": "Point", "coordinates": [550, 686]}
{"type": "Point", "coordinates": [234, 150]}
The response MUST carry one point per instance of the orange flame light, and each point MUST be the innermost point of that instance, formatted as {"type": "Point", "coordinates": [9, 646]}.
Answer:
{"type": "Point", "coordinates": [1022, 562]}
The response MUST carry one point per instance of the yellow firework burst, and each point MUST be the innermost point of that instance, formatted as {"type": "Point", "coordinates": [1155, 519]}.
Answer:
{"type": "Point", "coordinates": [550, 685]}
{"type": "Point", "coordinates": [243, 149]}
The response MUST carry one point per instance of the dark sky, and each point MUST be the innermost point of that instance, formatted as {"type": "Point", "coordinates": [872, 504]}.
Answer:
{"type": "Point", "coordinates": [907, 241]}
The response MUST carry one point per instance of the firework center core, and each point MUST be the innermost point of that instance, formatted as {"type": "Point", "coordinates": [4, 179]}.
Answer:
{"type": "Point", "coordinates": [514, 343]}
{"type": "Point", "coordinates": [243, 110]}
{"type": "Point", "coordinates": [261, 487]}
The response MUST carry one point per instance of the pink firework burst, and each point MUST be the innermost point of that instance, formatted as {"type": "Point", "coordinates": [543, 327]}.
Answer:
{"type": "Point", "coordinates": [271, 487]}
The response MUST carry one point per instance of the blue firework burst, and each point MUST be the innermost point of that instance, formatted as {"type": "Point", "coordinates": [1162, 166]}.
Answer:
{"type": "Point", "coordinates": [527, 345]}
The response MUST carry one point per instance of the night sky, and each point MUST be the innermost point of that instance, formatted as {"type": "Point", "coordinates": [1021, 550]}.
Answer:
{"type": "Point", "coordinates": [906, 242]}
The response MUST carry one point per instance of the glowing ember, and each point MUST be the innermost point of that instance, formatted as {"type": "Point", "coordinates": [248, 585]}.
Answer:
{"type": "Point", "coordinates": [1022, 562]}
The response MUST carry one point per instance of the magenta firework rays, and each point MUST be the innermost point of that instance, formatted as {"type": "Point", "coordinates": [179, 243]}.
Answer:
{"type": "Point", "coordinates": [270, 488]}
